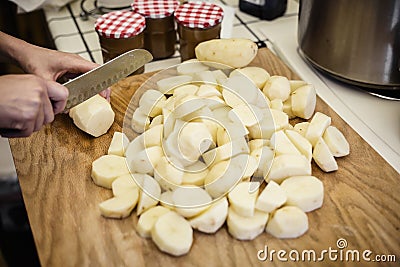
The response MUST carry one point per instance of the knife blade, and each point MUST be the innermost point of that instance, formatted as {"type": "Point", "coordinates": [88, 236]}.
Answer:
{"type": "Point", "coordinates": [94, 81]}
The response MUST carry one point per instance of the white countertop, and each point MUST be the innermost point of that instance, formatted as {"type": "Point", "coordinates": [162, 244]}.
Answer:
{"type": "Point", "coordinates": [376, 120]}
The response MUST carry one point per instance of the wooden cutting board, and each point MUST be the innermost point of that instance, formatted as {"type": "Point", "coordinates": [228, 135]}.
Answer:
{"type": "Point", "coordinates": [361, 205]}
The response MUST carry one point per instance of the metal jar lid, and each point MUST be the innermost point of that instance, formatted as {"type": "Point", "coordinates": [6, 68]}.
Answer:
{"type": "Point", "coordinates": [120, 24]}
{"type": "Point", "coordinates": [199, 15]}
{"type": "Point", "coordinates": [155, 9]}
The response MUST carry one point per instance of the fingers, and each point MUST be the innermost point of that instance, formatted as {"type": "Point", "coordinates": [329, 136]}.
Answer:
{"type": "Point", "coordinates": [77, 64]}
{"type": "Point", "coordinates": [106, 94]}
{"type": "Point", "coordinates": [27, 103]}
{"type": "Point", "coordinates": [40, 118]}
{"type": "Point", "coordinates": [58, 95]}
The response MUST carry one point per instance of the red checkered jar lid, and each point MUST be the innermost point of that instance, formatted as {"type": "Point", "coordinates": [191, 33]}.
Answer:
{"type": "Point", "coordinates": [120, 24]}
{"type": "Point", "coordinates": [199, 15]}
{"type": "Point", "coordinates": [155, 9]}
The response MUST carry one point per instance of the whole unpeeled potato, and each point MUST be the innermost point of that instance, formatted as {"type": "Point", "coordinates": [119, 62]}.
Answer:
{"type": "Point", "coordinates": [236, 53]}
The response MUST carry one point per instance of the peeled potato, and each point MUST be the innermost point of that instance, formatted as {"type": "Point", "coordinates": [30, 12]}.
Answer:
{"type": "Point", "coordinates": [93, 116]}
{"type": "Point", "coordinates": [287, 222]}
{"type": "Point", "coordinates": [304, 101]}
{"type": "Point", "coordinates": [256, 74]}
{"type": "Point", "coordinates": [277, 87]}
{"type": "Point", "coordinates": [236, 53]}
{"type": "Point", "coordinates": [118, 144]}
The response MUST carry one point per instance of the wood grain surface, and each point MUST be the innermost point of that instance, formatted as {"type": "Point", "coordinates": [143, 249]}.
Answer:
{"type": "Point", "coordinates": [361, 204]}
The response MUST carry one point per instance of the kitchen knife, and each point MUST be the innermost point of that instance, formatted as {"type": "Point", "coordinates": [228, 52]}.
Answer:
{"type": "Point", "coordinates": [93, 82]}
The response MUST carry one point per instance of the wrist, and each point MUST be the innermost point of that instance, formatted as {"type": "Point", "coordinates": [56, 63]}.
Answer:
{"type": "Point", "coordinates": [13, 50]}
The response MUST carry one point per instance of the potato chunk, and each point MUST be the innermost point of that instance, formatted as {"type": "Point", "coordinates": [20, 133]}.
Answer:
{"type": "Point", "coordinates": [94, 116]}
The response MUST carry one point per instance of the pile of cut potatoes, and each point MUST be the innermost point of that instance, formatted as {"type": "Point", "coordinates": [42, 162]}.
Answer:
{"type": "Point", "coordinates": [215, 146]}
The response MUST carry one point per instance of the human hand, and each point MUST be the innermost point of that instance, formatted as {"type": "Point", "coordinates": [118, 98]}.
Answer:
{"type": "Point", "coordinates": [27, 103]}
{"type": "Point", "coordinates": [52, 64]}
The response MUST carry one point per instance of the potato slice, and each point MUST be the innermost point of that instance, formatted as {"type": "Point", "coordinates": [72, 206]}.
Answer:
{"type": "Point", "coordinates": [271, 198]}
{"type": "Point", "coordinates": [277, 104]}
{"type": "Point", "coordinates": [264, 157]}
{"type": "Point", "coordinates": [207, 90]}
{"type": "Point", "coordinates": [153, 136]}
{"type": "Point", "coordinates": [246, 228]}
{"type": "Point", "coordinates": [204, 76]}
{"type": "Point", "coordinates": [249, 115]}
{"type": "Point", "coordinates": [212, 219]}
{"type": "Point", "coordinates": [157, 120]}
{"type": "Point", "coordinates": [251, 165]}
{"type": "Point", "coordinates": [140, 120]}
{"type": "Point", "coordinates": [304, 100]}
{"type": "Point", "coordinates": [120, 206]}
{"type": "Point", "coordinates": [257, 143]}
{"type": "Point", "coordinates": [172, 234]}
{"type": "Point", "coordinates": [191, 66]}
{"type": "Point", "coordinates": [267, 126]}
{"type": "Point", "coordinates": [193, 140]}
{"type": "Point", "coordinates": [107, 168]}
{"type": "Point", "coordinates": [187, 105]}
{"type": "Point", "coordinates": [221, 178]}
{"type": "Point", "coordinates": [145, 160]}
{"type": "Point", "coordinates": [281, 144]}
{"type": "Point", "coordinates": [238, 90]}
{"type": "Point", "coordinates": [123, 184]}
{"type": "Point", "coordinates": [242, 198]}
{"type": "Point", "coordinates": [301, 143]}
{"type": "Point", "coordinates": [277, 87]}
{"type": "Point", "coordinates": [287, 165]}
{"type": "Point", "coordinates": [148, 218]}
{"type": "Point", "coordinates": [166, 200]}
{"type": "Point", "coordinates": [336, 142]}
{"type": "Point", "coordinates": [93, 116]}
{"type": "Point", "coordinates": [150, 193]}
{"type": "Point", "coordinates": [220, 76]}
{"type": "Point", "coordinates": [324, 157]}
{"type": "Point", "coordinates": [287, 108]}
{"type": "Point", "coordinates": [167, 85]}
{"type": "Point", "coordinates": [190, 201]}
{"type": "Point", "coordinates": [257, 75]}
{"type": "Point", "coordinates": [195, 174]}
{"type": "Point", "coordinates": [184, 90]}
{"type": "Point", "coordinates": [151, 102]}
{"type": "Point", "coordinates": [226, 151]}
{"type": "Point", "coordinates": [301, 127]}
{"type": "Point", "coordinates": [280, 118]}
{"type": "Point", "coordinates": [288, 222]}
{"type": "Point", "coordinates": [305, 192]}
{"type": "Point", "coordinates": [317, 127]}
{"type": "Point", "coordinates": [118, 144]}
{"type": "Point", "coordinates": [168, 175]}
{"type": "Point", "coordinates": [295, 84]}
{"type": "Point", "coordinates": [134, 147]}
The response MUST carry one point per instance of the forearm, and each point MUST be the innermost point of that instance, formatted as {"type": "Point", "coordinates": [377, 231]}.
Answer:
{"type": "Point", "coordinates": [12, 50]}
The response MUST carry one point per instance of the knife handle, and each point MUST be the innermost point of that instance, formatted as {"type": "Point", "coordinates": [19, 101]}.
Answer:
{"type": "Point", "coordinates": [10, 133]}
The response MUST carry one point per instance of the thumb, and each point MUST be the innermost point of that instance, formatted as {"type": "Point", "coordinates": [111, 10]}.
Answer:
{"type": "Point", "coordinates": [58, 95]}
